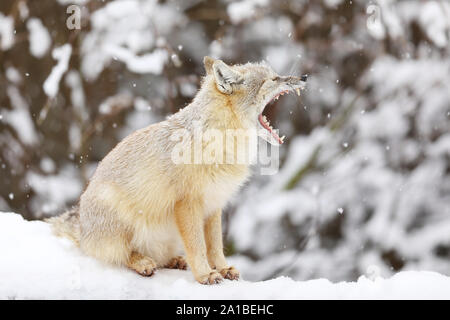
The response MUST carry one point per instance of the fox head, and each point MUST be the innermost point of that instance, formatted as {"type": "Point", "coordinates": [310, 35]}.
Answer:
{"type": "Point", "coordinates": [250, 88]}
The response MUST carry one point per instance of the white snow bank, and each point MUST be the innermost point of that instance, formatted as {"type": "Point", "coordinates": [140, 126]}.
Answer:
{"type": "Point", "coordinates": [36, 264]}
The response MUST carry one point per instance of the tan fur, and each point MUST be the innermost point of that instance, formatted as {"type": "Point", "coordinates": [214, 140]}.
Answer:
{"type": "Point", "coordinates": [177, 263]}
{"type": "Point", "coordinates": [141, 210]}
{"type": "Point", "coordinates": [67, 225]}
{"type": "Point", "coordinates": [143, 265]}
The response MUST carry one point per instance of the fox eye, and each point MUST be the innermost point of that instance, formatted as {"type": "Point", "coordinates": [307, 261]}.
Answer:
{"type": "Point", "coordinates": [275, 78]}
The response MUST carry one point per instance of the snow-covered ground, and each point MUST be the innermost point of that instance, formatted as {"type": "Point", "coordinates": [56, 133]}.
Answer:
{"type": "Point", "coordinates": [36, 264]}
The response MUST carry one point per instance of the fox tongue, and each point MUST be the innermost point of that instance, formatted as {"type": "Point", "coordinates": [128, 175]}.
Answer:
{"type": "Point", "coordinates": [266, 126]}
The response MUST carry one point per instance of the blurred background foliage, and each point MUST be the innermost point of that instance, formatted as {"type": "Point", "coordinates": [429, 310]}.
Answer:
{"type": "Point", "coordinates": [364, 184]}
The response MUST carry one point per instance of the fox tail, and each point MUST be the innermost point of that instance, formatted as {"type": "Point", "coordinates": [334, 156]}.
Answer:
{"type": "Point", "coordinates": [67, 225]}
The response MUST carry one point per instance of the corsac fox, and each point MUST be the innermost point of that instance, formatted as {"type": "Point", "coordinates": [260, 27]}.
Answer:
{"type": "Point", "coordinates": [141, 209]}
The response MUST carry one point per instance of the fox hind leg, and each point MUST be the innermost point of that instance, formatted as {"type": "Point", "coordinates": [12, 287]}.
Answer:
{"type": "Point", "coordinates": [177, 263]}
{"type": "Point", "coordinates": [143, 265]}
{"type": "Point", "coordinates": [108, 239]}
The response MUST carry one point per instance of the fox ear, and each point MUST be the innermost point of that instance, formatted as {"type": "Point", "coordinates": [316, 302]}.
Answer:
{"type": "Point", "coordinates": [225, 76]}
{"type": "Point", "coordinates": [208, 62]}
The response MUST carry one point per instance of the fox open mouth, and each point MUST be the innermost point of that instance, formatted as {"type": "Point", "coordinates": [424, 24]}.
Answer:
{"type": "Point", "coordinates": [272, 134]}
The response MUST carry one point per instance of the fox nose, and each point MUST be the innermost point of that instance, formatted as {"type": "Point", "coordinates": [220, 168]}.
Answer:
{"type": "Point", "coordinates": [292, 79]}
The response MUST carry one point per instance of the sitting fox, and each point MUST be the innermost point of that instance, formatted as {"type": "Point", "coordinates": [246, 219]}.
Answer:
{"type": "Point", "coordinates": [141, 209]}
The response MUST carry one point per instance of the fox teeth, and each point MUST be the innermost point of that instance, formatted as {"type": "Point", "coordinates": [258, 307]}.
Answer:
{"type": "Point", "coordinates": [282, 138]}
{"type": "Point", "coordinates": [298, 91]}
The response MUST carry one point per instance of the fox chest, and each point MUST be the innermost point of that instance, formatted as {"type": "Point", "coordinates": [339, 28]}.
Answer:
{"type": "Point", "coordinates": [217, 192]}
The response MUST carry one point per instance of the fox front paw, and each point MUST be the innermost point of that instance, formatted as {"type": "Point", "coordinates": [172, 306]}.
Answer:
{"type": "Point", "coordinates": [230, 273]}
{"type": "Point", "coordinates": [212, 278]}
{"type": "Point", "coordinates": [177, 263]}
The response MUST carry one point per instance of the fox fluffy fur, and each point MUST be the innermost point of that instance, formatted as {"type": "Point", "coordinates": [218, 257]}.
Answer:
{"type": "Point", "coordinates": [142, 210]}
